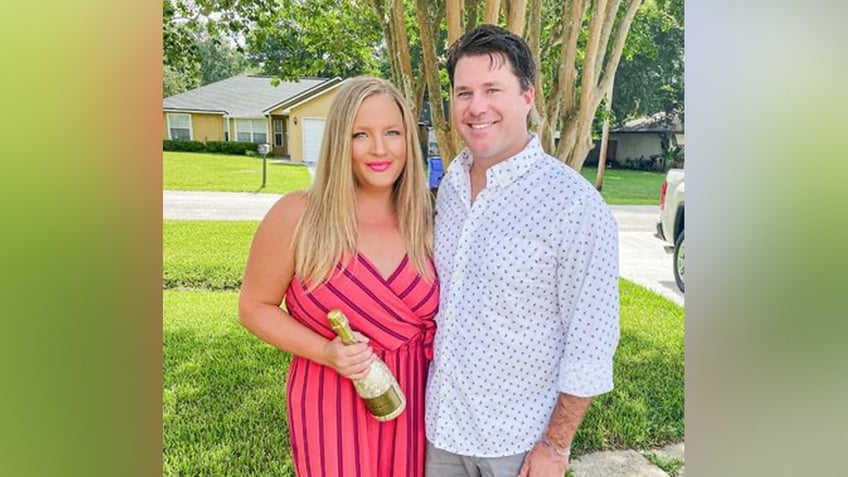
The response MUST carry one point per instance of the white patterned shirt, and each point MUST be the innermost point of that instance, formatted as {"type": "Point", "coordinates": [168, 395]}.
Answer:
{"type": "Point", "coordinates": [529, 302]}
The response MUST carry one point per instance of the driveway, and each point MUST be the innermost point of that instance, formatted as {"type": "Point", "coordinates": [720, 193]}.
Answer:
{"type": "Point", "coordinates": [642, 258]}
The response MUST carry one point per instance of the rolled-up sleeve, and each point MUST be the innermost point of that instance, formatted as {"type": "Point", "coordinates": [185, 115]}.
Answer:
{"type": "Point", "coordinates": [587, 277]}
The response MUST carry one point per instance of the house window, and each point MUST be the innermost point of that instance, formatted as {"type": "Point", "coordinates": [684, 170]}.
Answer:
{"type": "Point", "coordinates": [179, 127]}
{"type": "Point", "coordinates": [251, 130]}
{"type": "Point", "coordinates": [278, 132]}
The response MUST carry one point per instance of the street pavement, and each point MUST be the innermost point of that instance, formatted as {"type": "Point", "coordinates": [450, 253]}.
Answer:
{"type": "Point", "coordinates": [642, 260]}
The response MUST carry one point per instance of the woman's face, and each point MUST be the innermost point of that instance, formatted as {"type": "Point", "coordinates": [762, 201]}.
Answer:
{"type": "Point", "coordinates": [378, 143]}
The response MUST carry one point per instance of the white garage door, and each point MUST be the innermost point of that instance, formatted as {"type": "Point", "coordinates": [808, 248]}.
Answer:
{"type": "Point", "coordinates": [313, 132]}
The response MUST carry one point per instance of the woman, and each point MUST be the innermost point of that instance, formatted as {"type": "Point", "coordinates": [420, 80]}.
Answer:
{"type": "Point", "coordinates": [360, 240]}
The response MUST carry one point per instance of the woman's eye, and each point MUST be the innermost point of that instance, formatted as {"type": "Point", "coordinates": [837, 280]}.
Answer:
{"type": "Point", "coordinates": [393, 132]}
{"type": "Point", "coordinates": [358, 135]}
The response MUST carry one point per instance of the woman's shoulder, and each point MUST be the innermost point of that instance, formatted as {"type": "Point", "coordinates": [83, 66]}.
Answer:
{"type": "Point", "coordinates": [287, 211]}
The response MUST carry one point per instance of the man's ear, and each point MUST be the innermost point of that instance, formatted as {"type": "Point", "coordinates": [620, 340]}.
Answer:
{"type": "Point", "coordinates": [529, 96]}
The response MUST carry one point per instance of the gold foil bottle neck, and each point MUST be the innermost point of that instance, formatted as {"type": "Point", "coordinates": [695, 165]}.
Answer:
{"type": "Point", "coordinates": [338, 321]}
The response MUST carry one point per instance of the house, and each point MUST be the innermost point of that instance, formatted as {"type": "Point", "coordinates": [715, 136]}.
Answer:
{"type": "Point", "coordinates": [250, 108]}
{"type": "Point", "coordinates": [642, 138]}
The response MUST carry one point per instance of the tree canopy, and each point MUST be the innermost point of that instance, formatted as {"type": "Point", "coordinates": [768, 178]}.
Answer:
{"type": "Point", "coordinates": [650, 77]}
{"type": "Point", "coordinates": [322, 38]}
{"type": "Point", "coordinates": [208, 40]}
{"type": "Point", "coordinates": [584, 49]}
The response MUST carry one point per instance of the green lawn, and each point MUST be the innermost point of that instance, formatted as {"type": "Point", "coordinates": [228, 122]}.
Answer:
{"type": "Point", "coordinates": [646, 407]}
{"type": "Point", "coordinates": [626, 187]}
{"type": "Point", "coordinates": [219, 172]}
{"type": "Point", "coordinates": [205, 254]}
{"type": "Point", "coordinates": [224, 390]}
{"type": "Point", "coordinates": [216, 172]}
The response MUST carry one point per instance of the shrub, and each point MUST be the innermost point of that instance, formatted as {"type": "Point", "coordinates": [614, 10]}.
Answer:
{"type": "Point", "coordinates": [239, 148]}
{"type": "Point", "coordinates": [655, 162]}
{"type": "Point", "coordinates": [183, 146]}
{"type": "Point", "coordinates": [232, 147]}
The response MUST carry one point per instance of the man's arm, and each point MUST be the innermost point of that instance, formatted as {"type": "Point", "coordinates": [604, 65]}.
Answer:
{"type": "Point", "coordinates": [566, 418]}
{"type": "Point", "coordinates": [549, 457]}
{"type": "Point", "coordinates": [588, 294]}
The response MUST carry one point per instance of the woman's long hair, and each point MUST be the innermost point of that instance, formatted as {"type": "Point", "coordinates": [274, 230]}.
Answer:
{"type": "Point", "coordinates": [327, 232]}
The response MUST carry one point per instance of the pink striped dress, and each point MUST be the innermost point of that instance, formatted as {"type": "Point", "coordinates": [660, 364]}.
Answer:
{"type": "Point", "coordinates": [330, 430]}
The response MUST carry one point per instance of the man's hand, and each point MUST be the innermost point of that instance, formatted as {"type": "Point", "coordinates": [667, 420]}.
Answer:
{"type": "Point", "coordinates": [541, 461]}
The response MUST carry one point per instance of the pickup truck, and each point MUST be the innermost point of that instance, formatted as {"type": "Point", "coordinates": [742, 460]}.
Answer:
{"type": "Point", "coordinates": [670, 222]}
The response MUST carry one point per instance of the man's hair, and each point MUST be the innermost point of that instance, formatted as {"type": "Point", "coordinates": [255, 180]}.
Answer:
{"type": "Point", "coordinates": [499, 44]}
{"type": "Point", "coordinates": [327, 232]}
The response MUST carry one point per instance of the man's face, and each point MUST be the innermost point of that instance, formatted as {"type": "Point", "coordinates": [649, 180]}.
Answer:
{"type": "Point", "coordinates": [489, 108]}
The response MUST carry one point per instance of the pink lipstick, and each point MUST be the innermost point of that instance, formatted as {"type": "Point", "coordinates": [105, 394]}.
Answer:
{"type": "Point", "coordinates": [378, 166]}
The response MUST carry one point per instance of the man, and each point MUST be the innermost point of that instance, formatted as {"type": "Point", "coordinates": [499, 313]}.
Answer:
{"type": "Point", "coordinates": [527, 256]}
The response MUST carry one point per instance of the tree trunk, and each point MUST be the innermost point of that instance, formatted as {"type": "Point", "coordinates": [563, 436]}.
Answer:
{"type": "Point", "coordinates": [493, 9]}
{"type": "Point", "coordinates": [453, 12]}
{"type": "Point", "coordinates": [602, 157]}
{"type": "Point", "coordinates": [406, 79]}
{"type": "Point", "coordinates": [588, 90]}
{"type": "Point", "coordinates": [516, 17]}
{"type": "Point", "coordinates": [561, 102]}
{"type": "Point", "coordinates": [610, 12]}
{"type": "Point", "coordinates": [420, 90]}
{"type": "Point", "coordinates": [620, 39]}
{"type": "Point", "coordinates": [428, 15]}
{"type": "Point", "coordinates": [389, 36]}
{"type": "Point", "coordinates": [538, 118]}
{"type": "Point", "coordinates": [596, 77]}
{"type": "Point", "coordinates": [471, 7]}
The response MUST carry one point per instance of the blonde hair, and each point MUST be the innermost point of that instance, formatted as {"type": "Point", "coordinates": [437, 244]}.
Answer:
{"type": "Point", "coordinates": [327, 231]}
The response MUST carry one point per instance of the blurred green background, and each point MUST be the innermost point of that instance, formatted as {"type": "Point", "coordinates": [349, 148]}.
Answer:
{"type": "Point", "coordinates": [81, 256]}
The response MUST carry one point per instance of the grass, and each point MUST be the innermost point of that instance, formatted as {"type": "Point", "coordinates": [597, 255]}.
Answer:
{"type": "Point", "coordinates": [670, 466]}
{"type": "Point", "coordinates": [646, 407]}
{"type": "Point", "coordinates": [216, 172]}
{"type": "Point", "coordinates": [205, 254]}
{"type": "Point", "coordinates": [627, 187]}
{"type": "Point", "coordinates": [225, 173]}
{"type": "Point", "coordinates": [224, 390]}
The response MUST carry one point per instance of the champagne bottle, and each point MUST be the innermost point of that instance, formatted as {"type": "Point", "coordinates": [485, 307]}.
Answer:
{"type": "Point", "coordinates": [379, 388]}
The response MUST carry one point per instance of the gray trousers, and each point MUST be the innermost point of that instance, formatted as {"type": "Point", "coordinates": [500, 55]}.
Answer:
{"type": "Point", "coordinates": [441, 463]}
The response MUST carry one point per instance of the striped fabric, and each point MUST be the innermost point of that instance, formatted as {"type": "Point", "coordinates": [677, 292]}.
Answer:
{"type": "Point", "coordinates": [330, 430]}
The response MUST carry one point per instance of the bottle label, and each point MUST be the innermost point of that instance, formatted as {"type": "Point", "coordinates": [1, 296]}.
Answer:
{"type": "Point", "coordinates": [386, 406]}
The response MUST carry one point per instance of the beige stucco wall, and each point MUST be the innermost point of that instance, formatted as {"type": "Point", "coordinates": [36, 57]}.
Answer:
{"type": "Point", "coordinates": [204, 127]}
{"type": "Point", "coordinates": [632, 146]}
{"type": "Point", "coordinates": [207, 127]}
{"type": "Point", "coordinates": [316, 108]}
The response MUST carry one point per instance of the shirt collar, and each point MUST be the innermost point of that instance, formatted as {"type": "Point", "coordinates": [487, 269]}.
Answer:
{"type": "Point", "coordinates": [507, 171]}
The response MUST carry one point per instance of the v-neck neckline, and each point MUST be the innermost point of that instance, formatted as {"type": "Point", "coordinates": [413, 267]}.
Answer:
{"type": "Point", "coordinates": [376, 271]}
